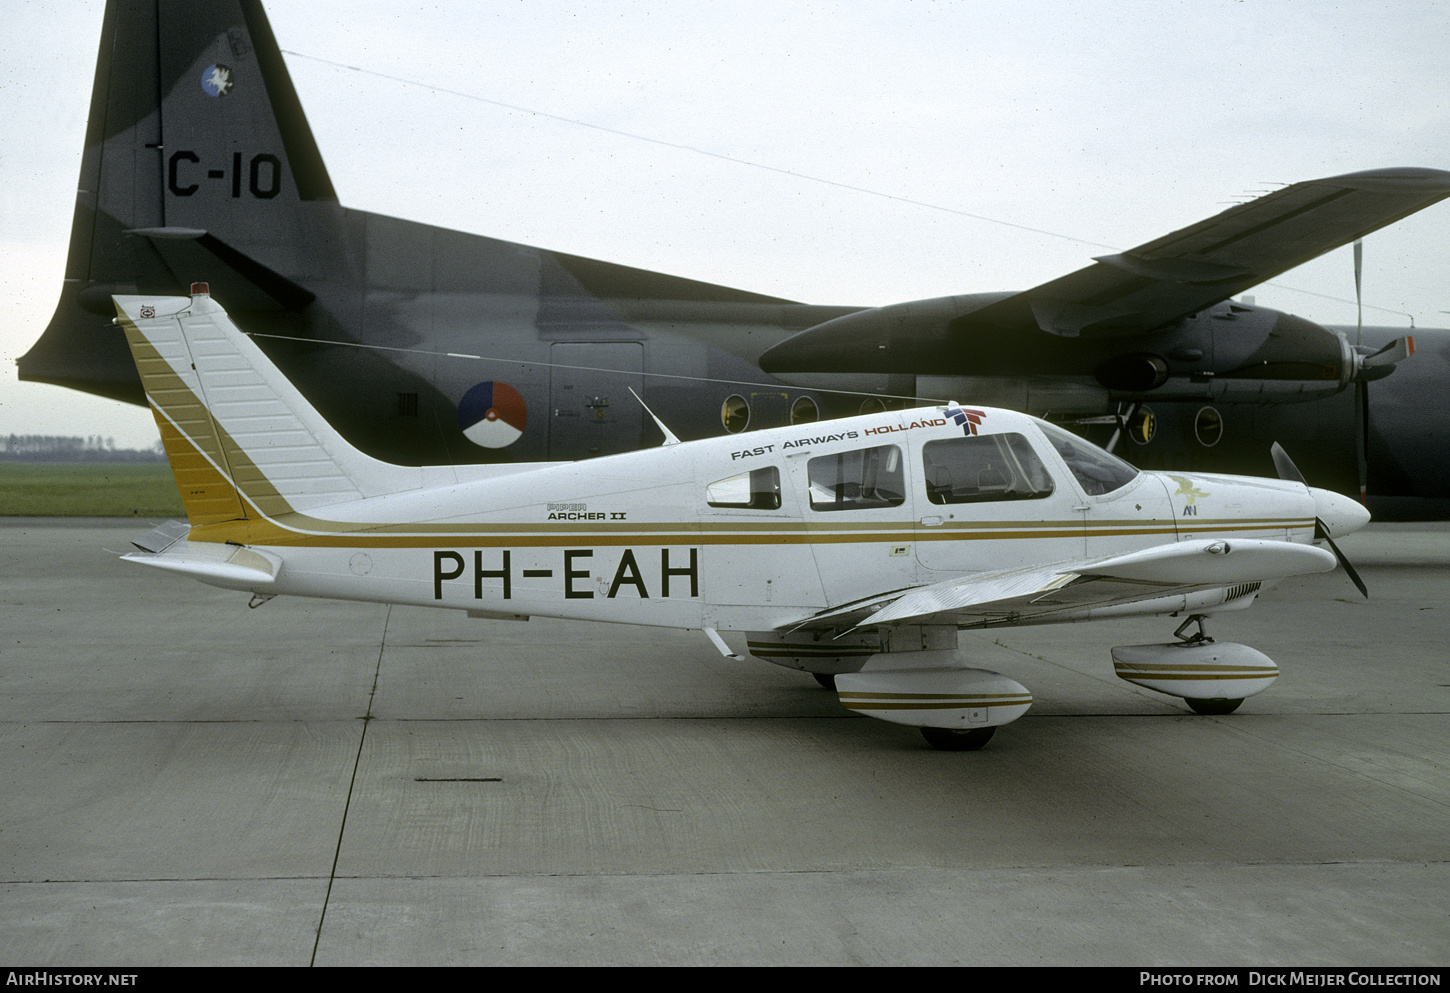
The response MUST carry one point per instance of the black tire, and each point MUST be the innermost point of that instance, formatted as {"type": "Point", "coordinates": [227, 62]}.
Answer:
{"type": "Point", "coordinates": [826, 679]}
{"type": "Point", "coordinates": [950, 740]}
{"type": "Point", "coordinates": [1214, 708]}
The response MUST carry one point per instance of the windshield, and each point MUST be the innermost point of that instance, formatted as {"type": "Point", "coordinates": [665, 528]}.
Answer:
{"type": "Point", "coordinates": [1097, 471]}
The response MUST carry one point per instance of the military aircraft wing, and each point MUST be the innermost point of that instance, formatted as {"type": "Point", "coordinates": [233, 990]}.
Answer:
{"type": "Point", "coordinates": [1034, 594]}
{"type": "Point", "coordinates": [1132, 292]}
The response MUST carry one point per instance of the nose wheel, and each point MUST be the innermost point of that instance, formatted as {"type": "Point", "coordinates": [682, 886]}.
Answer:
{"type": "Point", "coordinates": [951, 740]}
{"type": "Point", "coordinates": [1213, 708]}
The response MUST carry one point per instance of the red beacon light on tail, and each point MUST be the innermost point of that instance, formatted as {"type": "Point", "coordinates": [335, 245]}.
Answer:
{"type": "Point", "coordinates": [200, 290]}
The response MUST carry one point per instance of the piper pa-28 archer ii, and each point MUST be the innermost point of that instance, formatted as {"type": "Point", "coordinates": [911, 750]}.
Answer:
{"type": "Point", "coordinates": [854, 549]}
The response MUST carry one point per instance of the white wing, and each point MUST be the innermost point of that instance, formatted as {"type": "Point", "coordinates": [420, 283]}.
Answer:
{"type": "Point", "coordinates": [1064, 590]}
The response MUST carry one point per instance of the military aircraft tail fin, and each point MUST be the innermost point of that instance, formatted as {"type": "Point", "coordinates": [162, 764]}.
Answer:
{"type": "Point", "coordinates": [197, 153]}
{"type": "Point", "coordinates": [243, 443]}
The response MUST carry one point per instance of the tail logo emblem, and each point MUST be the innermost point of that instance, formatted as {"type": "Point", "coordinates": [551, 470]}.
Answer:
{"type": "Point", "coordinates": [216, 80]}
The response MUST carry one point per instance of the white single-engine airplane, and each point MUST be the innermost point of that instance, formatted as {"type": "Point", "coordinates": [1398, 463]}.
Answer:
{"type": "Point", "coordinates": [853, 549]}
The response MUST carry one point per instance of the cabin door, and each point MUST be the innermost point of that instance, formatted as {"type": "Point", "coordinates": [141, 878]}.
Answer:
{"type": "Point", "coordinates": [989, 502]}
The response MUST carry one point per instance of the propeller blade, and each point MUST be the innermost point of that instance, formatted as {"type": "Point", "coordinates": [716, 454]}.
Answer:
{"type": "Point", "coordinates": [1361, 398]}
{"type": "Point", "coordinates": [1380, 364]}
{"type": "Point", "coordinates": [1358, 291]}
{"type": "Point", "coordinates": [1361, 436]}
{"type": "Point", "coordinates": [1285, 466]}
{"type": "Point", "coordinates": [1324, 499]}
{"type": "Point", "coordinates": [1320, 531]}
{"type": "Point", "coordinates": [1396, 351]}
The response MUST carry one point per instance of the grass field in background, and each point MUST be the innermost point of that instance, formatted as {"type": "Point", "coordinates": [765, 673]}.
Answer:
{"type": "Point", "coordinates": [88, 489]}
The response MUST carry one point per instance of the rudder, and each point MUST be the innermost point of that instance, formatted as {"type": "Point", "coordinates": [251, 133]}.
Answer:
{"type": "Point", "coordinates": [243, 442]}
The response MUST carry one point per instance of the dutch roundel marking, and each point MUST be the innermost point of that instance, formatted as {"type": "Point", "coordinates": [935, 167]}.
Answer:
{"type": "Point", "coordinates": [492, 415]}
{"type": "Point", "coordinates": [217, 80]}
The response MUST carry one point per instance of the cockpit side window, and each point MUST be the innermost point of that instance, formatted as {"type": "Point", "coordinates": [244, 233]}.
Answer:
{"type": "Point", "coordinates": [758, 489]}
{"type": "Point", "coordinates": [982, 468]}
{"type": "Point", "coordinates": [866, 477]}
{"type": "Point", "coordinates": [1095, 470]}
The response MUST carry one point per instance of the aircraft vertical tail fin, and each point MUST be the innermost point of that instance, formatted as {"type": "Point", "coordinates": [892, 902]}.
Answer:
{"type": "Point", "coordinates": [198, 157]}
{"type": "Point", "coordinates": [243, 442]}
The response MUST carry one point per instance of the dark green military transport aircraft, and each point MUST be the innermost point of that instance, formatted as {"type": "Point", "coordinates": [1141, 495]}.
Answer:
{"type": "Point", "coordinates": [425, 345]}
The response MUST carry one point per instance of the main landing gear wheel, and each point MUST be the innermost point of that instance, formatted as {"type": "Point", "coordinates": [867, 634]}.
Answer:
{"type": "Point", "coordinates": [949, 740]}
{"type": "Point", "coordinates": [826, 679]}
{"type": "Point", "coordinates": [1214, 708]}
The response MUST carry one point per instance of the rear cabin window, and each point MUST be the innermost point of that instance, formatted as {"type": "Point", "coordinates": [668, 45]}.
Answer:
{"type": "Point", "coordinates": [758, 489]}
{"type": "Point", "coordinates": [864, 478]}
{"type": "Point", "coordinates": [1095, 470]}
{"type": "Point", "coordinates": [983, 468]}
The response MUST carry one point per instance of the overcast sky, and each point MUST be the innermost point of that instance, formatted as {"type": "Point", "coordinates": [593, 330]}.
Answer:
{"type": "Point", "coordinates": [1112, 123]}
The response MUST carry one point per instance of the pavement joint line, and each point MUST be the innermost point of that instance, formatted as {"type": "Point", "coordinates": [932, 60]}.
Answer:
{"type": "Point", "coordinates": [368, 718]}
{"type": "Point", "coordinates": [351, 783]}
{"type": "Point", "coordinates": [855, 870]}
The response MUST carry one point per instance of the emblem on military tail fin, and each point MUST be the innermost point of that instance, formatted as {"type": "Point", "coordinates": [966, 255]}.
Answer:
{"type": "Point", "coordinates": [217, 80]}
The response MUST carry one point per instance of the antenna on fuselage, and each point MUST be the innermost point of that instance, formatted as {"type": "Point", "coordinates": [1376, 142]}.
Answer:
{"type": "Point", "coordinates": [670, 438]}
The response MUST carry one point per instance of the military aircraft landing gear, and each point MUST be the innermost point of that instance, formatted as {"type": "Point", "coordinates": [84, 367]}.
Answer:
{"type": "Point", "coordinates": [952, 740]}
